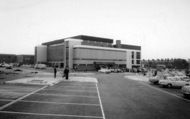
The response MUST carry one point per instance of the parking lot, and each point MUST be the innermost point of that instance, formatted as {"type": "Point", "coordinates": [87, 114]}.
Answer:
{"type": "Point", "coordinates": [68, 100]}
{"type": "Point", "coordinates": [114, 96]}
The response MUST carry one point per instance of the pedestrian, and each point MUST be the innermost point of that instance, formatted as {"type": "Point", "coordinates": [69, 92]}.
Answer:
{"type": "Point", "coordinates": [66, 73]}
{"type": "Point", "coordinates": [55, 71]}
{"type": "Point", "coordinates": [155, 73]}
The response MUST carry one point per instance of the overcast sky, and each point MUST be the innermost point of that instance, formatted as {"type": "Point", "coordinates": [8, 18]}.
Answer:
{"type": "Point", "coordinates": [161, 27]}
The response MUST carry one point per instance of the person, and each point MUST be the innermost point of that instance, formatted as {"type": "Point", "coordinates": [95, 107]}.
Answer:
{"type": "Point", "coordinates": [55, 71]}
{"type": "Point", "coordinates": [66, 73]}
{"type": "Point", "coordinates": [155, 73]}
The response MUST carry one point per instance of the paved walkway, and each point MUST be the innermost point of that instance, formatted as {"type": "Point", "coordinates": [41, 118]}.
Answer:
{"type": "Point", "coordinates": [49, 81]}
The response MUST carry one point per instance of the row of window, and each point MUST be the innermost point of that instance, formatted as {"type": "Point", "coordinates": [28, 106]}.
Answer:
{"type": "Point", "coordinates": [95, 43]}
{"type": "Point", "coordinates": [137, 61]}
{"type": "Point", "coordinates": [138, 55]}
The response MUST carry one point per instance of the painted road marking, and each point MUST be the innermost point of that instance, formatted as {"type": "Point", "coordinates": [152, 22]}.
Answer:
{"type": "Point", "coordinates": [86, 104]}
{"type": "Point", "coordinates": [62, 95]}
{"type": "Point", "coordinates": [58, 115]}
{"type": "Point", "coordinates": [166, 92]}
{"type": "Point", "coordinates": [100, 102]}
{"type": "Point", "coordinates": [62, 115]}
{"type": "Point", "coordinates": [14, 101]}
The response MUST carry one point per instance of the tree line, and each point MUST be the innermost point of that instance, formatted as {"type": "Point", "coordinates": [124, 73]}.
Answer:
{"type": "Point", "coordinates": [167, 63]}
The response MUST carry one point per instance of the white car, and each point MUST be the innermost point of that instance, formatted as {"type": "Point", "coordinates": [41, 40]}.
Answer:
{"type": "Point", "coordinates": [156, 79]}
{"type": "Point", "coordinates": [8, 66]}
{"type": "Point", "coordinates": [174, 82]}
{"type": "Point", "coordinates": [40, 66]}
{"type": "Point", "coordinates": [186, 91]}
{"type": "Point", "coordinates": [104, 70]}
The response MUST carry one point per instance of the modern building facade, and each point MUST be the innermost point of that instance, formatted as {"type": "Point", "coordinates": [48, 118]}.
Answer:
{"type": "Point", "coordinates": [88, 53]}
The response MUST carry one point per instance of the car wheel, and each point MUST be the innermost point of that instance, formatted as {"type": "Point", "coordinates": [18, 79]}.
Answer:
{"type": "Point", "coordinates": [169, 85]}
{"type": "Point", "coordinates": [164, 86]}
{"type": "Point", "coordinates": [156, 82]}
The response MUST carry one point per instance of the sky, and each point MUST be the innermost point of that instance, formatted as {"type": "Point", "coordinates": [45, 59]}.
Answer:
{"type": "Point", "coordinates": [160, 27]}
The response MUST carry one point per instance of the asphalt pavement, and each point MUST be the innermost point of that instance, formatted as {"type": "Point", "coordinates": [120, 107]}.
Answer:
{"type": "Point", "coordinates": [68, 100]}
{"type": "Point", "coordinates": [112, 97]}
{"type": "Point", "coordinates": [130, 99]}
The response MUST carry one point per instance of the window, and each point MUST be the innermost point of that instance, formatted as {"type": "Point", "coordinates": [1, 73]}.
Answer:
{"type": "Point", "coordinates": [138, 55]}
{"type": "Point", "coordinates": [132, 61]}
{"type": "Point", "coordinates": [132, 55]}
{"type": "Point", "coordinates": [138, 62]}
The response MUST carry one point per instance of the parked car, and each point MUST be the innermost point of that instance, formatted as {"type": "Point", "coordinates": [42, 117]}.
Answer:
{"type": "Point", "coordinates": [40, 66]}
{"type": "Point", "coordinates": [112, 70]}
{"type": "Point", "coordinates": [8, 66]}
{"type": "Point", "coordinates": [186, 91]}
{"type": "Point", "coordinates": [117, 70]}
{"type": "Point", "coordinates": [1, 65]}
{"type": "Point", "coordinates": [156, 79]}
{"type": "Point", "coordinates": [104, 70]}
{"type": "Point", "coordinates": [174, 82]}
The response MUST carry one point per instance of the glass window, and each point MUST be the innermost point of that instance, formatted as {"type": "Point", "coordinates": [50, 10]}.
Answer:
{"type": "Point", "coordinates": [132, 61]}
{"type": "Point", "coordinates": [138, 55]}
{"type": "Point", "coordinates": [132, 55]}
{"type": "Point", "coordinates": [138, 62]}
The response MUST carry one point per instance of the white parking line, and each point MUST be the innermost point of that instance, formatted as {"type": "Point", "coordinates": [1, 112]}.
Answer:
{"type": "Point", "coordinates": [86, 104]}
{"type": "Point", "coordinates": [166, 92]}
{"type": "Point", "coordinates": [66, 95]}
{"type": "Point", "coordinates": [14, 101]}
{"type": "Point", "coordinates": [100, 102]}
{"type": "Point", "coordinates": [57, 115]}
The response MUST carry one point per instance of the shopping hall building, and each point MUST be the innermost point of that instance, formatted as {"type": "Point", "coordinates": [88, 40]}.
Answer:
{"type": "Point", "coordinates": [88, 53]}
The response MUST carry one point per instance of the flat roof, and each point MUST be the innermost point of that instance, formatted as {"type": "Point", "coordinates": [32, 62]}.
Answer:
{"type": "Point", "coordinates": [92, 38]}
{"type": "Point", "coordinates": [131, 47]}
{"type": "Point", "coordinates": [83, 37]}
{"type": "Point", "coordinates": [54, 42]}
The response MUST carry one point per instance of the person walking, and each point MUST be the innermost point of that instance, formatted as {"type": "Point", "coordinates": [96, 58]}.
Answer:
{"type": "Point", "coordinates": [55, 71]}
{"type": "Point", "coordinates": [66, 73]}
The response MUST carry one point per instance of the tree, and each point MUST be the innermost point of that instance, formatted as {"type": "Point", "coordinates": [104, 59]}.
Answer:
{"type": "Point", "coordinates": [180, 64]}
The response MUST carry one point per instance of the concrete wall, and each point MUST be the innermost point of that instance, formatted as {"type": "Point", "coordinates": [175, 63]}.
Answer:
{"type": "Point", "coordinates": [68, 51]}
{"type": "Point", "coordinates": [41, 54]}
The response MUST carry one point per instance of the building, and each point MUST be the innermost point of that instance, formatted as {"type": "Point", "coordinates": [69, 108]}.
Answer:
{"type": "Point", "coordinates": [25, 59]}
{"type": "Point", "coordinates": [88, 53]}
{"type": "Point", "coordinates": [8, 58]}
{"type": "Point", "coordinates": [12, 58]}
